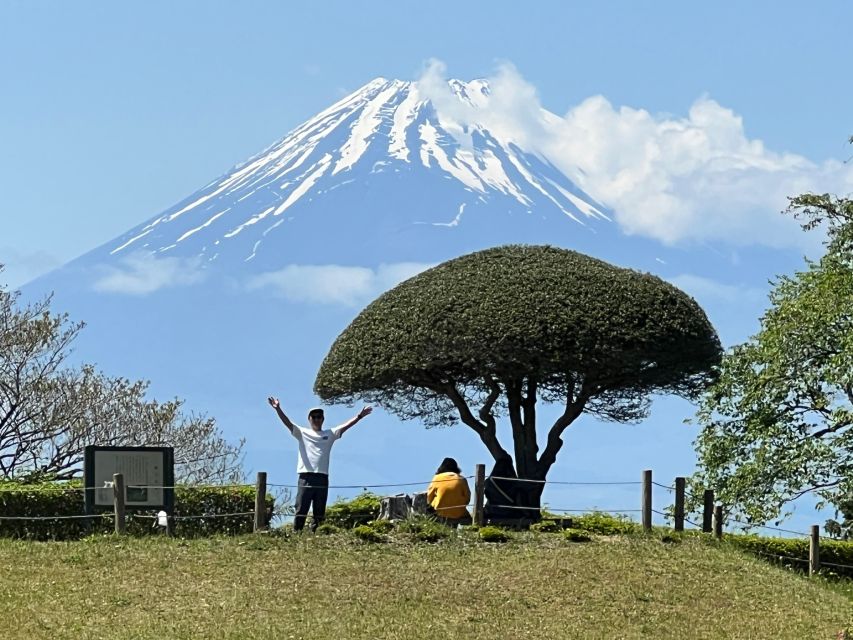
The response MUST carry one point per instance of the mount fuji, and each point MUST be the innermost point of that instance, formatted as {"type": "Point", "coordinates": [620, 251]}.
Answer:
{"type": "Point", "coordinates": [237, 292]}
{"type": "Point", "coordinates": [381, 160]}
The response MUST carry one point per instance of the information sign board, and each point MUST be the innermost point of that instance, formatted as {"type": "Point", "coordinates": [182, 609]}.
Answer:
{"type": "Point", "coordinates": [149, 475]}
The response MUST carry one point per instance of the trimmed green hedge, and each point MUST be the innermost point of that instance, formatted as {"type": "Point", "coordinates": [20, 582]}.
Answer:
{"type": "Point", "coordinates": [832, 552]}
{"type": "Point", "coordinates": [66, 499]}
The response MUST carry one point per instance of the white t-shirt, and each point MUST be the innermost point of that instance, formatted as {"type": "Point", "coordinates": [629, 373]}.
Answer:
{"type": "Point", "coordinates": [314, 448]}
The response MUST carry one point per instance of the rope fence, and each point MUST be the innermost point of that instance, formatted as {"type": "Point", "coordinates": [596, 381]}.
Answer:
{"type": "Point", "coordinates": [713, 518]}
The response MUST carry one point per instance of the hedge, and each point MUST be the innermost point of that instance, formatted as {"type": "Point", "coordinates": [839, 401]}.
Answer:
{"type": "Point", "coordinates": [782, 550]}
{"type": "Point", "coordinates": [66, 499]}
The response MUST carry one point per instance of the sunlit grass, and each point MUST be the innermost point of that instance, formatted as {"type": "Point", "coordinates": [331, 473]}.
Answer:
{"type": "Point", "coordinates": [335, 586]}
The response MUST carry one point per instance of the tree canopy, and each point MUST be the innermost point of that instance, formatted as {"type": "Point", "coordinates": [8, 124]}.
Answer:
{"type": "Point", "coordinates": [49, 410]}
{"type": "Point", "coordinates": [491, 332]}
{"type": "Point", "coordinates": [779, 421]}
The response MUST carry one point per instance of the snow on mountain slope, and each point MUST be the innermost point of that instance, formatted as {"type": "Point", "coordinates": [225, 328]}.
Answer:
{"type": "Point", "coordinates": [382, 151]}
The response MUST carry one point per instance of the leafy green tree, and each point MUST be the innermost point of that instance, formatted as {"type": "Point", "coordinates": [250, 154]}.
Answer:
{"type": "Point", "coordinates": [778, 423]}
{"type": "Point", "coordinates": [50, 411]}
{"type": "Point", "coordinates": [493, 332]}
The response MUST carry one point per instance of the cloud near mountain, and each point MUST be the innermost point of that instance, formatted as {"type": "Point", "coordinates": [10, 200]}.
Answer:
{"type": "Point", "coordinates": [334, 284]}
{"type": "Point", "coordinates": [143, 273]}
{"type": "Point", "coordinates": [674, 179]}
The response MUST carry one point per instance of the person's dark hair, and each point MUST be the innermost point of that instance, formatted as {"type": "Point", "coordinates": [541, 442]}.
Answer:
{"type": "Point", "coordinates": [448, 464]}
{"type": "Point", "coordinates": [503, 468]}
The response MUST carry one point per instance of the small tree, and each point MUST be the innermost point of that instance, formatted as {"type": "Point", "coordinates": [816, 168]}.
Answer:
{"type": "Point", "coordinates": [49, 411]}
{"type": "Point", "coordinates": [493, 332]}
{"type": "Point", "coordinates": [778, 423]}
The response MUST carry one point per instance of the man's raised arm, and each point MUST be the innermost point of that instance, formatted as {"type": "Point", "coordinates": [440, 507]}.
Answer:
{"type": "Point", "coordinates": [275, 405]}
{"type": "Point", "coordinates": [341, 429]}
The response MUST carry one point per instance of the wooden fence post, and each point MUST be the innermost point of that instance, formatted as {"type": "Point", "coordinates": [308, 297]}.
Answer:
{"type": "Point", "coordinates": [708, 511]}
{"type": "Point", "coordinates": [718, 521]}
{"type": "Point", "coordinates": [261, 501]}
{"type": "Point", "coordinates": [479, 493]}
{"type": "Point", "coordinates": [680, 484]}
{"type": "Point", "coordinates": [118, 502]}
{"type": "Point", "coordinates": [814, 550]}
{"type": "Point", "coordinates": [647, 500]}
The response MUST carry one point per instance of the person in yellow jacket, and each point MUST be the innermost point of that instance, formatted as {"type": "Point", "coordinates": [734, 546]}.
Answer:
{"type": "Point", "coordinates": [448, 494]}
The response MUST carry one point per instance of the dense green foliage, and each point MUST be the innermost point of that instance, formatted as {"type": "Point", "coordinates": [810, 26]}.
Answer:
{"type": "Point", "coordinates": [794, 552]}
{"type": "Point", "coordinates": [493, 534]}
{"type": "Point", "coordinates": [347, 514]}
{"type": "Point", "coordinates": [576, 535]}
{"type": "Point", "coordinates": [778, 423]}
{"type": "Point", "coordinates": [546, 526]}
{"type": "Point", "coordinates": [492, 332]}
{"type": "Point", "coordinates": [368, 534]}
{"type": "Point", "coordinates": [66, 499]}
{"type": "Point", "coordinates": [605, 524]}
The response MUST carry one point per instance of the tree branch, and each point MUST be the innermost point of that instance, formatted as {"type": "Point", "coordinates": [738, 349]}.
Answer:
{"type": "Point", "coordinates": [488, 436]}
{"type": "Point", "coordinates": [574, 408]}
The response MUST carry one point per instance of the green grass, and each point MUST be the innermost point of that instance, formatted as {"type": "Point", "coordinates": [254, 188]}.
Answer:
{"type": "Point", "coordinates": [336, 586]}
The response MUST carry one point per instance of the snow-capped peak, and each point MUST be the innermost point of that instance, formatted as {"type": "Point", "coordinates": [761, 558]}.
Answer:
{"type": "Point", "coordinates": [387, 127]}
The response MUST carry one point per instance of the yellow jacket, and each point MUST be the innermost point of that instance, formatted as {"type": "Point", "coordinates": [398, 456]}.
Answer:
{"type": "Point", "coordinates": [449, 494]}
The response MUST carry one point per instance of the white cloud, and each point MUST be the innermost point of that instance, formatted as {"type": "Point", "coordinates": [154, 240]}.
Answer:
{"type": "Point", "coordinates": [334, 284]}
{"type": "Point", "coordinates": [706, 290]}
{"type": "Point", "coordinates": [675, 179]}
{"type": "Point", "coordinates": [20, 267]}
{"type": "Point", "coordinates": [143, 273]}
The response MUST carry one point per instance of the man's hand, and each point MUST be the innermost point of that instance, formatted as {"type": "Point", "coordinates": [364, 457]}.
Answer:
{"type": "Point", "coordinates": [365, 411]}
{"type": "Point", "coordinates": [275, 405]}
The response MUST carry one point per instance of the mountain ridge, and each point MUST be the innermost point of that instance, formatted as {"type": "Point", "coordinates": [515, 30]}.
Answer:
{"type": "Point", "coordinates": [385, 138]}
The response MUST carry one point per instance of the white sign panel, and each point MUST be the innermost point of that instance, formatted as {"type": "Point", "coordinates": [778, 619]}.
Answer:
{"type": "Point", "coordinates": [142, 470]}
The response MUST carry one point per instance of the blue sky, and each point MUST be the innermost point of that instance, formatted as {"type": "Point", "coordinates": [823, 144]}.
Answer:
{"type": "Point", "coordinates": [112, 113]}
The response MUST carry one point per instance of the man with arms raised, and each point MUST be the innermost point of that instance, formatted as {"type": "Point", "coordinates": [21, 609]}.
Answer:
{"type": "Point", "coordinates": [312, 465]}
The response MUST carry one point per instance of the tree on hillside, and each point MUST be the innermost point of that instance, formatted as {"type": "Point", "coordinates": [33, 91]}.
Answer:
{"type": "Point", "coordinates": [493, 332]}
{"type": "Point", "coordinates": [50, 411]}
{"type": "Point", "coordinates": [778, 423]}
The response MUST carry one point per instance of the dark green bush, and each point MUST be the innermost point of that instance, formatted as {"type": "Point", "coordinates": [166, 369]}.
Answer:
{"type": "Point", "coordinates": [55, 500]}
{"type": "Point", "coordinates": [575, 535]}
{"type": "Point", "coordinates": [493, 534]}
{"type": "Point", "coordinates": [368, 534]}
{"type": "Point", "coordinates": [349, 513]}
{"type": "Point", "coordinates": [605, 524]}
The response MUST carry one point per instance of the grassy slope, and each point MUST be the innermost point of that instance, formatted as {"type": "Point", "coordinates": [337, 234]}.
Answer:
{"type": "Point", "coordinates": [336, 587]}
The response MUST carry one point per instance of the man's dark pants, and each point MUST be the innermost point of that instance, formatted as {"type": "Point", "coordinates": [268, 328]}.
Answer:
{"type": "Point", "coordinates": [313, 488]}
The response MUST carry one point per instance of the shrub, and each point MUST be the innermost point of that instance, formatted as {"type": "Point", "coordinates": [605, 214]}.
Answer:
{"type": "Point", "coordinates": [575, 535]}
{"type": "Point", "coordinates": [546, 526]}
{"type": "Point", "coordinates": [604, 524]}
{"type": "Point", "coordinates": [493, 534]}
{"type": "Point", "coordinates": [424, 528]}
{"type": "Point", "coordinates": [367, 534]}
{"type": "Point", "coordinates": [433, 533]}
{"type": "Point", "coordinates": [381, 526]}
{"type": "Point", "coordinates": [327, 529]}
{"type": "Point", "coordinates": [53, 499]}
{"type": "Point", "coordinates": [349, 513]}
{"type": "Point", "coordinates": [781, 550]}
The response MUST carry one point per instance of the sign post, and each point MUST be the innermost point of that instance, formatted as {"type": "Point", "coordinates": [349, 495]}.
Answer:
{"type": "Point", "coordinates": [148, 474]}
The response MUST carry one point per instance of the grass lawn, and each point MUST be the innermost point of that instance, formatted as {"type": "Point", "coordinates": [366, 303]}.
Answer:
{"type": "Point", "coordinates": [535, 586]}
